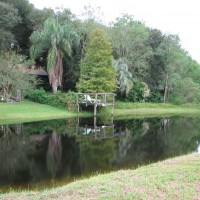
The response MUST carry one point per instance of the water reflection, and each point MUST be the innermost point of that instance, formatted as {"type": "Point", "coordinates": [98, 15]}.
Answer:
{"type": "Point", "coordinates": [93, 127]}
{"type": "Point", "coordinates": [59, 150]}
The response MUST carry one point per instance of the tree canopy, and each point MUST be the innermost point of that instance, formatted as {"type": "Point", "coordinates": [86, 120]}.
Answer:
{"type": "Point", "coordinates": [149, 56]}
{"type": "Point", "coordinates": [97, 72]}
{"type": "Point", "coordinates": [14, 76]}
{"type": "Point", "coordinates": [9, 18]}
{"type": "Point", "coordinates": [57, 39]}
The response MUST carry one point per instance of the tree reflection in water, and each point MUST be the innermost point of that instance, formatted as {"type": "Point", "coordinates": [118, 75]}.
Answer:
{"type": "Point", "coordinates": [54, 154]}
{"type": "Point", "coordinates": [15, 151]}
{"type": "Point", "coordinates": [33, 152]}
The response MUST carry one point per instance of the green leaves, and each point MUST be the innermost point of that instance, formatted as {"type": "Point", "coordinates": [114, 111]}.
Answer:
{"type": "Point", "coordinates": [124, 75]}
{"type": "Point", "coordinates": [13, 75]}
{"type": "Point", "coordinates": [58, 40]}
{"type": "Point", "coordinates": [53, 35]}
{"type": "Point", "coordinates": [8, 19]}
{"type": "Point", "coordinates": [129, 40]}
{"type": "Point", "coordinates": [97, 72]}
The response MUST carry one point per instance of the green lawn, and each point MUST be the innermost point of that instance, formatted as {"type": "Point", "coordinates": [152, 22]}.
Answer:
{"type": "Point", "coordinates": [30, 111]}
{"type": "Point", "coordinates": [155, 109]}
{"type": "Point", "coordinates": [177, 178]}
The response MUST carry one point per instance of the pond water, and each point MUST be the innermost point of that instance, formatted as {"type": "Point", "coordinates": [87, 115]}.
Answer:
{"type": "Point", "coordinates": [44, 154]}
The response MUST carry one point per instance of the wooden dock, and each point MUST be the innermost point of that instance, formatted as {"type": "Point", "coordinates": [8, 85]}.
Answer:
{"type": "Point", "coordinates": [96, 99]}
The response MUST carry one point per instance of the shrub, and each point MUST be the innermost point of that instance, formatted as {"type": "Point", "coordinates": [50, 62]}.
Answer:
{"type": "Point", "coordinates": [196, 98]}
{"type": "Point", "coordinates": [59, 100]}
{"type": "Point", "coordinates": [176, 98]}
{"type": "Point", "coordinates": [137, 93]}
{"type": "Point", "coordinates": [71, 98]}
{"type": "Point", "coordinates": [37, 95]}
{"type": "Point", "coordinates": [155, 97]}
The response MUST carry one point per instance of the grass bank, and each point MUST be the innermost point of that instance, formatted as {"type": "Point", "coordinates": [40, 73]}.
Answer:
{"type": "Point", "coordinates": [177, 178]}
{"type": "Point", "coordinates": [155, 109]}
{"type": "Point", "coordinates": [30, 111]}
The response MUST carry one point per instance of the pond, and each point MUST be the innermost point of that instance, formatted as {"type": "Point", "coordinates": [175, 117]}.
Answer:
{"type": "Point", "coordinates": [45, 154]}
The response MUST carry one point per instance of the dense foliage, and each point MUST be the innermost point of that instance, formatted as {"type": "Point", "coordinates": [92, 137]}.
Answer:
{"type": "Point", "coordinates": [97, 72]}
{"type": "Point", "coordinates": [58, 41]}
{"type": "Point", "coordinates": [8, 19]}
{"type": "Point", "coordinates": [141, 55]}
{"type": "Point", "coordinates": [14, 77]}
{"type": "Point", "coordinates": [59, 100]}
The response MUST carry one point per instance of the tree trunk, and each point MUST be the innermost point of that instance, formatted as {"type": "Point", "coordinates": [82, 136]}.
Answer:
{"type": "Point", "coordinates": [6, 93]}
{"type": "Point", "coordinates": [58, 71]}
{"type": "Point", "coordinates": [165, 95]}
{"type": "Point", "coordinates": [54, 85]}
{"type": "Point", "coordinates": [166, 89]}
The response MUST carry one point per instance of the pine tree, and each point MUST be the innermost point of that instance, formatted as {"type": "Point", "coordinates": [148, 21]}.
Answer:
{"type": "Point", "coordinates": [97, 72]}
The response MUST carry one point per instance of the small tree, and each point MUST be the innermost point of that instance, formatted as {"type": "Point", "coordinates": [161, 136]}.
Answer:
{"type": "Point", "coordinates": [13, 76]}
{"type": "Point", "coordinates": [97, 72]}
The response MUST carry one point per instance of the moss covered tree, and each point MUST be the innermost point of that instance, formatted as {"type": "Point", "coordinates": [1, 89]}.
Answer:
{"type": "Point", "coordinates": [97, 72]}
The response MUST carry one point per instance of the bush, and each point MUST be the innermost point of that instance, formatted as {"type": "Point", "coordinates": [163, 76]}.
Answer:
{"type": "Point", "coordinates": [37, 95]}
{"type": "Point", "coordinates": [155, 97]}
{"type": "Point", "coordinates": [176, 98]}
{"type": "Point", "coordinates": [70, 100]}
{"type": "Point", "coordinates": [59, 100]}
{"type": "Point", "coordinates": [137, 93]}
{"type": "Point", "coordinates": [196, 98]}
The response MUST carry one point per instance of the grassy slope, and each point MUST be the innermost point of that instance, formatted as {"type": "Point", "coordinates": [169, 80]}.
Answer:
{"type": "Point", "coordinates": [139, 109]}
{"type": "Point", "coordinates": [29, 111]}
{"type": "Point", "coordinates": [177, 178]}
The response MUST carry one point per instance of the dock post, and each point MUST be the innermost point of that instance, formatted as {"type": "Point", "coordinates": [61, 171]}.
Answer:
{"type": "Point", "coordinates": [95, 98]}
{"type": "Point", "coordinates": [113, 103]}
{"type": "Point", "coordinates": [77, 101]}
{"type": "Point", "coordinates": [95, 109]}
{"type": "Point", "coordinates": [112, 111]}
{"type": "Point", "coordinates": [78, 107]}
{"type": "Point", "coordinates": [95, 127]}
{"type": "Point", "coordinates": [104, 99]}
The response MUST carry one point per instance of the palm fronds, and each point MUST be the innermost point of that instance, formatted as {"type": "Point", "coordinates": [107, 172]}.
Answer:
{"type": "Point", "coordinates": [58, 40]}
{"type": "Point", "coordinates": [124, 76]}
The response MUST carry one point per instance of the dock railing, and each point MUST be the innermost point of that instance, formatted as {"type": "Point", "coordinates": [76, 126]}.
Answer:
{"type": "Point", "coordinates": [96, 99]}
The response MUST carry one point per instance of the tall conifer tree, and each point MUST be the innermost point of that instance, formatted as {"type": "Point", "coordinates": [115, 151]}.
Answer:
{"type": "Point", "coordinates": [97, 72]}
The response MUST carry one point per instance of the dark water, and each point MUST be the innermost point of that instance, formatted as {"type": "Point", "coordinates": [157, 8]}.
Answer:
{"type": "Point", "coordinates": [47, 153]}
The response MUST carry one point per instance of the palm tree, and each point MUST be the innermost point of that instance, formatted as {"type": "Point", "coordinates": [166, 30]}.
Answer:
{"type": "Point", "coordinates": [124, 75]}
{"type": "Point", "coordinates": [58, 40]}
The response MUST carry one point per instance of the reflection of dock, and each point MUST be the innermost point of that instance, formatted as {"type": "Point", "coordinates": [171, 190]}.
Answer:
{"type": "Point", "coordinates": [95, 100]}
{"type": "Point", "coordinates": [97, 131]}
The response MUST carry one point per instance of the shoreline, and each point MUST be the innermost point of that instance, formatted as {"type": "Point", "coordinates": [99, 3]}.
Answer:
{"type": "Point", "coordinates": [29, 111]}
{"type": "Point", "coordinates": [174, 178]}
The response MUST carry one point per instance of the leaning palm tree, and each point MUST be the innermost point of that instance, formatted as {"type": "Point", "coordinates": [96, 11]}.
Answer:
{"type": "Point", "coordinates": [58, 40]}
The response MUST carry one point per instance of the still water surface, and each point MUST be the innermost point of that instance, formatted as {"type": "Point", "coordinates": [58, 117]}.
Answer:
{"type": "Point", "coordinates": [43, 154]}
